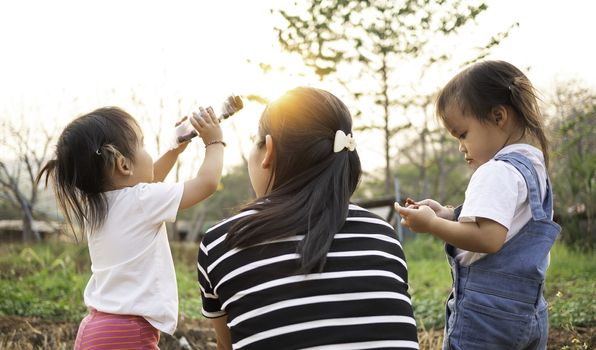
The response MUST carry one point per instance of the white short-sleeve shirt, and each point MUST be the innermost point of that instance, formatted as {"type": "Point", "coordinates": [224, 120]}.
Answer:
{"type": "Point", "coordinates": [131, 263]}
{"type": "Point", "coordinates": [497, 191]}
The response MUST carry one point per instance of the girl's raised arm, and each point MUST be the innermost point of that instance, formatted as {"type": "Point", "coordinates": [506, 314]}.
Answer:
{"type": "Point", "coordinates": [207, 179]}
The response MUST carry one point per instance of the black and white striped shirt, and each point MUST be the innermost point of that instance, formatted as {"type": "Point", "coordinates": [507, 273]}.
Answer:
{"type": "Point", "coordinates": [359, 301]}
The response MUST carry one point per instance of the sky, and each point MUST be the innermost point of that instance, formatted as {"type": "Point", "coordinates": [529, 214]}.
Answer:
{"type": "Point", "coordinates": [63, 58]}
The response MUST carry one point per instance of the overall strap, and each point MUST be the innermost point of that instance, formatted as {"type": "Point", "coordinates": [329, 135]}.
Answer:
{"type": "Point", "coordinates": [525, 167]}
{"type": "Point", "coordinates": [548, 205]}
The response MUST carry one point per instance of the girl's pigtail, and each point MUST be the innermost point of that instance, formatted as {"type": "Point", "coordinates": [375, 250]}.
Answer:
{"type": "Point", "coordinates": [47, 170]}
{"type": "Point", "coordinates": [109, 154]}
{"type": "Point", "coordinates": [525, 100]}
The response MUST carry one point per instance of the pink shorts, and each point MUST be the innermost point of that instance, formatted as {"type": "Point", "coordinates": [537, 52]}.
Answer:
{"type": "Point", "coordinates": [100, 330]}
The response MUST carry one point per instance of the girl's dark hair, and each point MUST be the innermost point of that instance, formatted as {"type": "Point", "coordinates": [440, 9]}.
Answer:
{"type": "Point", "coordinates": [311, 185]}
{"type": "Point", "coordinates": [84, 162]}
{"type": "Point", "coordinates": [485, 85]}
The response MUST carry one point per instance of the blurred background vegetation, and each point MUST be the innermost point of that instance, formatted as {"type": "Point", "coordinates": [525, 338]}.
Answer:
{"type": "Point", "coordinates": [47, 281]}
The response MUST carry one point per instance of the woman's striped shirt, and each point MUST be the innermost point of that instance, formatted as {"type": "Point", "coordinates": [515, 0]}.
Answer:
{"type": "Point", "coordinates": [359, 301]}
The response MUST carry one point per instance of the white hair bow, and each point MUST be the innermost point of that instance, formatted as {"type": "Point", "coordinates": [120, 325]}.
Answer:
{"type": "Point", "coordinates": [343, 141]}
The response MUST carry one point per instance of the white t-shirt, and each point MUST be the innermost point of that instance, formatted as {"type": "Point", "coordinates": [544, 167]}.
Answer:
{"type": "Point", "coordinates": [497, 191]}
{"type": "Point", "coordinates": [131, 262]}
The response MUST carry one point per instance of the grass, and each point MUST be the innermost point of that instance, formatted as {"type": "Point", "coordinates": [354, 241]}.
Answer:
{"type": "Point", "coordinates": [570, 286]}
{"type": "Point", "coordinates": [429, 279]}
{"type": "Point", "coordinates": [47, 281]}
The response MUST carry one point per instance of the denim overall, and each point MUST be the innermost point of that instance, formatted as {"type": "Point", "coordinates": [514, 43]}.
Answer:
{"type": "Point", "coordinates": [497, 302]}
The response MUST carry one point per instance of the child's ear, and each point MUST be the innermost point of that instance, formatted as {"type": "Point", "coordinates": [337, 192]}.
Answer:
{"type": "Point", "coordinates": [124, 165]}
{"type": "Point", "coordinates": [269, 151]}
{"type": "Point", "coordinates": [499, 115]}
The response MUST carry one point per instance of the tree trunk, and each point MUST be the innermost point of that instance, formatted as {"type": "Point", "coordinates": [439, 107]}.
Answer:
{"type": "Point", "coordinates": [423, 172]}
{"type": "Point", "coordinates": [29, 233]}
{"type": "Point", "coordinates": [388, 176]}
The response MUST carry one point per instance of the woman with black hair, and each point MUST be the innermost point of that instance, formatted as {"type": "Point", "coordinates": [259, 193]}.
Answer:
{"type": "Point", "coordinates": [300, 267]}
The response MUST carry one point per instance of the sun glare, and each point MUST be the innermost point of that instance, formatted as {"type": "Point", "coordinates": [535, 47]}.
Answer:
{"type": "Point", "coordinates": [284, 74]}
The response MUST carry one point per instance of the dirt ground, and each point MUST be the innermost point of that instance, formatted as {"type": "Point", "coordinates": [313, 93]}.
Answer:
{"type": "Point", "coordinates": [29, 333]}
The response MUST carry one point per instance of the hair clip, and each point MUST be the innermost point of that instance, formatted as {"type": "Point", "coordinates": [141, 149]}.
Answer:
{"type": "Point", "coordinates": [343, 141]}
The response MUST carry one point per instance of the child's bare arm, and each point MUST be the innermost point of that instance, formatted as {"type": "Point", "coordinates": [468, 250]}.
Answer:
{"type": "Point", "coordinates": [205, 182]}
{"type": "Point", "coordinates": [163, 165]}
{"type": "Point", "coordinates": [222, 333]}
{"type": "Point", "coordinates": [482, 236]}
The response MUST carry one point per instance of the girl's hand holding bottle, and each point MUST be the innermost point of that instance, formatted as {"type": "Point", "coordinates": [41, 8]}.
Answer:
{"type": "Point", "coordinates": [179, 148]}
{"type": "Point", "coordinates": [207, 125]}
{"type": "Point", "coordinates": [205, 183]}
{"type": "Point", "coordinates": [186, 130]}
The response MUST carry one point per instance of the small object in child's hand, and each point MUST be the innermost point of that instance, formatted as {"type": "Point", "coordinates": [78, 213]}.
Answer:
{"type": "Point", "coordinates": [185, 131]}
{"type": "Point", "coordinates": [410, 203]}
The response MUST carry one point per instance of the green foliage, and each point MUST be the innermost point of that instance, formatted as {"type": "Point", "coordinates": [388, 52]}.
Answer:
{"type": "Point", "coordinates": [570, 286]}
{"type": "Point", "coordinates": [48, 281]}
{"type": "Point", "coordinates": [445, 177]}
{"type": "Point", "coordinates": [370, 186]}
{"type": "Point", "coordinates": [429, 279]}
{"type": "Point", "coordinates": [424, 247]}
{"type": "Point", "coordinates": [9, 212]}
{"type": "Point", "coordinates": [189, 296]}
{"type": "Point", "coordinates": [573, 165]}
{"type": "Point", "coordinates": [234, 190]}
{"type": "Point", "coordinates": [447, 187]}
{"type": "Point", "coordinates": [43, 280]}
{"type": "Point", "coordinates": [328, 33]}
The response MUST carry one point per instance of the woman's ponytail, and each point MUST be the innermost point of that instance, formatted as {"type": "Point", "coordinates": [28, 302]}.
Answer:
{"type": "Point", "coordinates": [312, 184]}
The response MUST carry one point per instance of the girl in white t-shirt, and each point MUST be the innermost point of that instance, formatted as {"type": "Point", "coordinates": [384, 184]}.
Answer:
{"type": "Point", "coordinates": [107, 184]}
{"type": "Point", "coordinates": [498, 242]}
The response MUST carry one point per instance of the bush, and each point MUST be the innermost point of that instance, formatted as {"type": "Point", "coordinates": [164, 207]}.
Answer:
{"type": "Point", "coordinates": [44, 280]}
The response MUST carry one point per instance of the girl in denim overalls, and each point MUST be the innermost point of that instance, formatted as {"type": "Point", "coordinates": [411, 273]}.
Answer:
{"type": "Point", "coordinates": [498, 241]}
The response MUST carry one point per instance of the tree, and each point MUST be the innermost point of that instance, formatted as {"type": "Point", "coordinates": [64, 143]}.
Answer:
{"type": "Point", "coordinates": [574, 161]}
{"type": "Point", "coordinates": [370, 46]}
{"type": "Point", "coordinates": [433, 167]}
{"type": "Point", "coordinates": [435, 157]}
{"type": "Point", "coordinates": [24, 152]}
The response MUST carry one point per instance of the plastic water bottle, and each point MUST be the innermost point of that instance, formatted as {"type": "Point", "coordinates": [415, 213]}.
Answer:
{"type": "Point", "coordinates": [185, 131]}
